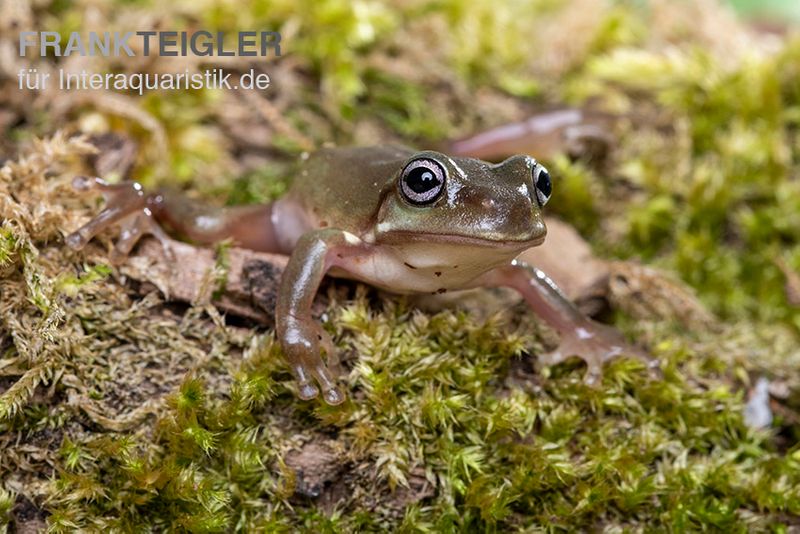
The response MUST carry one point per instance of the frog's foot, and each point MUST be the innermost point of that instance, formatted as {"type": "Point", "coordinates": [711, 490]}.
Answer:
{"type": "Point", "coordinates": [303, 352]}
{"type": "Point", "coordinates": [593, 342]}
{"type": "Point", "coordinates": [307, 390]}
{"type": "Point", "coordinates": [134, 227]}
{"type": "Point", "coordinates": [596, 344]}
{"type": "Point", "coordinates": [126, 204]}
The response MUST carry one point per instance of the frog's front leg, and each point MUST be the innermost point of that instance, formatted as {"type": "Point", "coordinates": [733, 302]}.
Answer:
{"type": "Point", "coordinates": [593, 342]}
{"type": "Point", "coordinates": [299, 334]}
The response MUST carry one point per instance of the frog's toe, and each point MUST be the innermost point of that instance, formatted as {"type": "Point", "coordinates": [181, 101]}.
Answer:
{"type": "Point", "coordinates": [333, 396]}
{"type": "Point", "coordinates": [590, 354]}
{"type": "Point", "coordinates": [330, 392]}
{"type": "Point", "coordinates": [84, 183]}
{"type": "Point", "coordinates": [134, 227]}
{"type": "Point", "coordinates": [653, 367]}
{"type": "Point", "coordinates": [307, 391]}
{"type": "Point", "coordinates": [593, 376]}
{"type": "Point", "coordinates": [126, 204]}
{"type": "Point", "coordinates": [122, 191]}
{"type": "Point", "coordinates": [76, 240]}
{"type": "Point", "coordinates": [122, 201]}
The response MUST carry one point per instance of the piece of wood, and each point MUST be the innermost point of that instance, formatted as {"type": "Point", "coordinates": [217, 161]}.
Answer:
{"type": "Point", "coordinates": [191, 275]}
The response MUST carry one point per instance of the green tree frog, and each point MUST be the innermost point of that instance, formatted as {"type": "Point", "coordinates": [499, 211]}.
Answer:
{"type": "Point", "coordinates": [403, 221]}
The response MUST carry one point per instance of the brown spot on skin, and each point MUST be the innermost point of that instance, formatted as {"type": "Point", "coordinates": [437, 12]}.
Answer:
{"type": "Point", "coordinates": [438, 273]}
{"type": "Point", "coordinates": [323, 224]}
{"type": "Point", "coordinates": [408, 265]}
{"type": "Point", "coordinates": [339, 255]}
{"type": "Point", "coordinates": [455, 266]}
{"type": "Point", "coordinates": [441, 290]}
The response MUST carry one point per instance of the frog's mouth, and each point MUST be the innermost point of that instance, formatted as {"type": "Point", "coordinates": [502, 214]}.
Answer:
{"type": "Point", "coordinates": [400, 236]}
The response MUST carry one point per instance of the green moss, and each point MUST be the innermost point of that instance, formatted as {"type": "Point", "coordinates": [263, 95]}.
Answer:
{"type": "Point", "coordinates": [431, 396]}
{"type": "Point", "coordinates": [723, 218]}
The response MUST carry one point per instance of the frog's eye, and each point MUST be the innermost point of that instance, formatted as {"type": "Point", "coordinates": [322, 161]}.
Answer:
{"type": "Point", "coordinates": [544, 187]}
{"type": "Point", "coordinates": [422, 181]}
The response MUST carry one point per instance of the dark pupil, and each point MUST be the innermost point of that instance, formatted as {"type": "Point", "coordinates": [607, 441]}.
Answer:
{"type": "Point", "coordinates": [543, 183]}
{"type": "Point", "coordinates": [421, 180]}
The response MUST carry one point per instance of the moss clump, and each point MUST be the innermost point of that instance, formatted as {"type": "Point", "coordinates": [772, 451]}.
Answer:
{"type": "Point", "coordinates": [449, 429]}
{"type": "Point", "coordinates": [718, 203]}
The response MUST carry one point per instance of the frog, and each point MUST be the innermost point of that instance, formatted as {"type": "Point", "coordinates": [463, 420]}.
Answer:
{"type": "Point", "coordinates": [404, 221]}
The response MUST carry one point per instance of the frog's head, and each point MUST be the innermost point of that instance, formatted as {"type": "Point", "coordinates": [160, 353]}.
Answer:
{"type": "Point", "coordinates": [461, 200]}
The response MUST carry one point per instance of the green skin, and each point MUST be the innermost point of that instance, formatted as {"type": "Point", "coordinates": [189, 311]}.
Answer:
{"type": "Point", "coordinates": [346, 216]}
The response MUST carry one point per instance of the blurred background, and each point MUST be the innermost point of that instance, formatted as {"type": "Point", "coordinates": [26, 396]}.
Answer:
{"type": "Point", "coordinates": [691, 166]}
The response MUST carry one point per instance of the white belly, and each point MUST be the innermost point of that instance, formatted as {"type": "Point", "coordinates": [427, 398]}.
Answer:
{"type": "Point", "coordinates": [423, 267]}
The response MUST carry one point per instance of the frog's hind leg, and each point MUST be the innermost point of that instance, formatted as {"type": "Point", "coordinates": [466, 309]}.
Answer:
{"type": "Point", "coordinates": [593, 342]}
{"type": "Point", "coordinates": [249, 227]}
{"type": "Point", "coordinates": [140, 213]}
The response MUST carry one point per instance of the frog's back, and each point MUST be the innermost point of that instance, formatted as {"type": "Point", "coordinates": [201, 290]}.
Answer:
{"type": "Point", "coordinates": [341, 187]}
